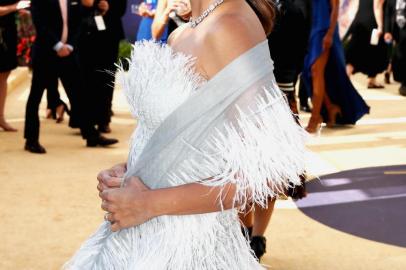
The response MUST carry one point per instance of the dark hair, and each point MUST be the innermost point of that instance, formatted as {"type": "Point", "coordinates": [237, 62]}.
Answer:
{"type": "Point", "coordinates": [265, 11]}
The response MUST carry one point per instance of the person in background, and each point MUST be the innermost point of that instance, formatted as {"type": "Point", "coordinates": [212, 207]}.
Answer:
{"type": "Point", "coordinates": [288, 44]}
{"type": "Point", "coordinates": [367, 51]}
{"type": "Point", "coordinates": [169, 15]}
{"type": "Point", "coordinates": [287, 51]}
{"type": "Point", "coordinates": [395, 30]}
{"type": "Point", "coordinates": [255, 221]}
{"type": "Point", "coordinates": [56, 108]}
{"type": "Point", "coordinates": [8, 50]}
{"type": "Point", "coordinates": [334, 98]}
{"type": "Point", "coordinates": [54, 56]}
{"type": "Point", "coordinates": [98, 53]}
{"type": "Point", "coordinates": [147, 10]}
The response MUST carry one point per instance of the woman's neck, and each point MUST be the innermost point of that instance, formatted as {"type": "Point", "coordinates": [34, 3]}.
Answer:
{"type": "Point", "coordinates": [199, 6]}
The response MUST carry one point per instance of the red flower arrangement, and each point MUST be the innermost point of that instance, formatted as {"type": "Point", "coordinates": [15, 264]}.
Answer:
{"type": "Point", "coordinates": [26, 37]}
{"type": "Point", "coordinates": [24, 50]}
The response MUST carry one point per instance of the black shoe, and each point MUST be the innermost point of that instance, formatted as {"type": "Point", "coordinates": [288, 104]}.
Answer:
{"type": "Point", "coordinates": [258, 245]}
{"type": "Point", "coordinates": [402, 90]}
{"type": "Point", "coordinates": [372, 85]}
{"type": "Point", "coordinates": [298, 192]}
{"type": "Point", "coordinates": [34, 147]}
{"type": "Point", "coordinates": [104, 128]}
{"type": "Point", "coordinates": [100, 141]}
{"type": "Point", "coordinates": [74, 122]}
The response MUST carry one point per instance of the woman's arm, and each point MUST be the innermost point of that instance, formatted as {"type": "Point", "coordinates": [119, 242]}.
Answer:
{"type": "Point", "coordinates": [378, 13]}
{"type": "Point", "coordinates": [4, 10]}
{"type": "Point", "coordinates": [160, 20]}
{"type": "Point", "coordinates": [333, 16]}
{"type": "Point", "coordinates": [161, 17]}
{"type": "Point", "coordinates": [135, 203]}
{"type": "Point", "coordinates": [328, 38]}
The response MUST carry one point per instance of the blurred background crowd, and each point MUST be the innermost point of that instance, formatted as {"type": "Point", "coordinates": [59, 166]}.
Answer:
{"type": "Point", "coordinates": [316, 46]}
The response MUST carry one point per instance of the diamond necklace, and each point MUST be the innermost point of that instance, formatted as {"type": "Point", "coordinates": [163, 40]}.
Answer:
{"type": "Point", "coordinates": [198, 20]}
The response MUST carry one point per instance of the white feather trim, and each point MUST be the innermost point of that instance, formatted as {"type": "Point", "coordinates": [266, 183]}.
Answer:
{"type": "Point", "coordinates": [262, 151]}
{"type": "Point", "coordinates": [157, 82]}
{"type": "Point", "coordinates": [199, 242]}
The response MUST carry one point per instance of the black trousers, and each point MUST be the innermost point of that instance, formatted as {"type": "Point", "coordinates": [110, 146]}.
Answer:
{"type": "Point", "coordinates": [99, 87]}
{"type": "Point", "coordinates": [53, 97]}
{"type": "Point", "coordinates": [98, 55]}
{"type": "Point", "coordinates": [399, 58]}
{"type": "Point", "coordinates": [47, 67]}
{"type": "Point", "coordinates": [288, 44]}
{"type": "Point", "coordinates": [288, 41]}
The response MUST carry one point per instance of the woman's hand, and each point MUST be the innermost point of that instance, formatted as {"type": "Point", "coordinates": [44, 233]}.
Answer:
{"type": "Point", "coordinates": [388, 37]}
{"type": "Point", "coordinates": [111, 178]}
{"type": "Point", "coordinates": [23, 4]}
{"type": "Point", "coordinates": [380, 31]}
{"type": "Point", "coordinates": [127, 206]}
{"type": "Point", "coordinates": [327, 42]}
{"type": "Point", "coordinates": [185, 11]}
{"type": "Point", "coordinates": [144, 11]}
{"type": "Point", "coordinates": [172, 6]}
{"type": "Point", "coordinates": [64, 51]}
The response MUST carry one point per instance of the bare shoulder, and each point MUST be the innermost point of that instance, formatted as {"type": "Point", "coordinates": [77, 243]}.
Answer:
{"type": "Point", "coordinates": [173, 37]}
{"type": "Point", "coordinates": [242, 32]}
{"type": "Point", "coordinates": [230, 35]}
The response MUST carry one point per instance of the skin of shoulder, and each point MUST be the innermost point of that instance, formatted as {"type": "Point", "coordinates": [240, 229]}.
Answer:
{"type": "Point", "coordinates": [220, 38]}
{"type": "Point", "coordinates": [175, 34]}
{"type": "Point", "coordinates": [229, 36]}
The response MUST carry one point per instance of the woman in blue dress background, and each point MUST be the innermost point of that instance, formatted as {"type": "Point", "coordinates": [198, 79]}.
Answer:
{"type": "Point", "coordinates": [161, 17]}
{"type": "Point", "coordinates": [334, 98]}
{"type": "Point", "coordinates": [147, 10]}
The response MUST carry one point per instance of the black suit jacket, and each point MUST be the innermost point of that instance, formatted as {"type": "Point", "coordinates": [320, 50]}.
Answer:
{"type": "Point", "coordinates": [390, 19]}
{"type": "Point", "coordinates": [47, 18]}
{"type": "Point", "coordinates": [113, 18]}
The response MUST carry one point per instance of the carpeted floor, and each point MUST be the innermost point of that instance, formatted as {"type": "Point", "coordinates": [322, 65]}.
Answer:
{"type": "Point", "coordinates": [368, 203]}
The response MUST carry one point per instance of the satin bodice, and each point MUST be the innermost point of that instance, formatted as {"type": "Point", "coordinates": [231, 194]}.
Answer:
{"type": "Point", "coordinates": [158, 81]}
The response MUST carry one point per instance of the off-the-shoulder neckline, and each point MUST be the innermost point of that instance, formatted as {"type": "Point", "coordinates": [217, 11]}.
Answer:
{"type": "Point", "coordinates": [222, 70]}
{"type": "Point", "coordinates": [254, 47]}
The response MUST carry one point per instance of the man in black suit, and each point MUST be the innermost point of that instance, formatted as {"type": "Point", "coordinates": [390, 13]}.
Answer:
{"type": "Point", "coordinates": [395, 29]}
{"type": "Point", "coordinates": [288, 44]}
{"type": "Point", "coordinates": [54, 55]}
{"type": "Point", "coordinates": [98, 52]}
